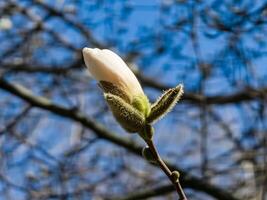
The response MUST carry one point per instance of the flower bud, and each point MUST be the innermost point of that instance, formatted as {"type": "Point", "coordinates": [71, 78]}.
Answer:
{"type": "Point", "coordinates": [105, 65]}
{"type": "Point", "coordinates": [122, 91]}
{"type": "Point", "coordinates": [175, 176]}
{"type": "Point", "coordinates": [128, 117]}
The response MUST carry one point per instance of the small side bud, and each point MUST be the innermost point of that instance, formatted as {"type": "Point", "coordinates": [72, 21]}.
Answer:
{"type": "Point", "coordinates": [147, 154]}
{"type": "Point", "coordinates": [175, 176]}
{"type": "Point", "coordinates": [165, 103]}
{"type": "Point", "coordinates": [128, 117]}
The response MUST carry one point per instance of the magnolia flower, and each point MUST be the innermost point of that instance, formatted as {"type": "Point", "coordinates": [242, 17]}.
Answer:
{"type": "Point", "coordinates": [122, 90]}
{"type": "Point", "coordinates": [124, 94]}
{"type": "Point", "coordinates": [105, 65]}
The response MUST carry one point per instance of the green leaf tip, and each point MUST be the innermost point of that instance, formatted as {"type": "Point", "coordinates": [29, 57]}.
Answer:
{"type": "Point", "coordinates": [165, 103]}
{"type": "Point", "coordinates": [128, 116]}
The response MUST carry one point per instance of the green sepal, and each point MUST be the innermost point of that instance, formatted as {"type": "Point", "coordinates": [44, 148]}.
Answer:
{"type": "Point", "coordinates": [108, 87]}
{"type": "Point", "coordinates": [128, 117]}
{"type": "Point", "coordinates": [165, 104]}
{"type": "Point", "coordinates": [142, 104]}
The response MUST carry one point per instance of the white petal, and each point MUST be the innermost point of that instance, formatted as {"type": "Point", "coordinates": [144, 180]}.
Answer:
{"type": "Point", "coordinates": [105, 65]}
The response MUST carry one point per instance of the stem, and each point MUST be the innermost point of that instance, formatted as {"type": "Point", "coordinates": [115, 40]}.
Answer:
{"type": "Point", "coordinates": [165, 169]}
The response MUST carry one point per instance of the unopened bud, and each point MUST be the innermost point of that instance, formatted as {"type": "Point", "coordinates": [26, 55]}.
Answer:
{"type": "Point", "coordinates": [175, 176]}
{"type": "Point", "coordinates": [128, 117]}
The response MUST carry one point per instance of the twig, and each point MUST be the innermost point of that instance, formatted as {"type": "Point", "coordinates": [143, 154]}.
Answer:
{"type": "Point", "coordinates": [166, 170]}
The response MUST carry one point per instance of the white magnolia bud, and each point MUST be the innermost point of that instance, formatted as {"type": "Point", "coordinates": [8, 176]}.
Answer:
{"type": "Point", "coordinates": [105, 65]}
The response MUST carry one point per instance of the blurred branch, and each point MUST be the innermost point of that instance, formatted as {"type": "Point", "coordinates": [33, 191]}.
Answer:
{"type": "Point", "coordinates": [41, 102]}
{"type": "Point", "coordinates": [76, 25]}
{"type": "Point", "coordinates": [144, 194]}
{"type": "Point", "coordinates": [245, 95]}
{"type": "Point", "coordinates": [248, 94]}
{"type": "Point", "coordinates": [15, 120]}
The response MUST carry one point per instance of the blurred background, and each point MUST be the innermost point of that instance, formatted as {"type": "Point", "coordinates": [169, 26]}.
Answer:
{"type": "Point", "coordinates": [58, 139]}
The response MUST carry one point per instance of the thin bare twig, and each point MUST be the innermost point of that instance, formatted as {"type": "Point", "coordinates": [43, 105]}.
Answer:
{"type": "Point", "coordinates": [166, 170]}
